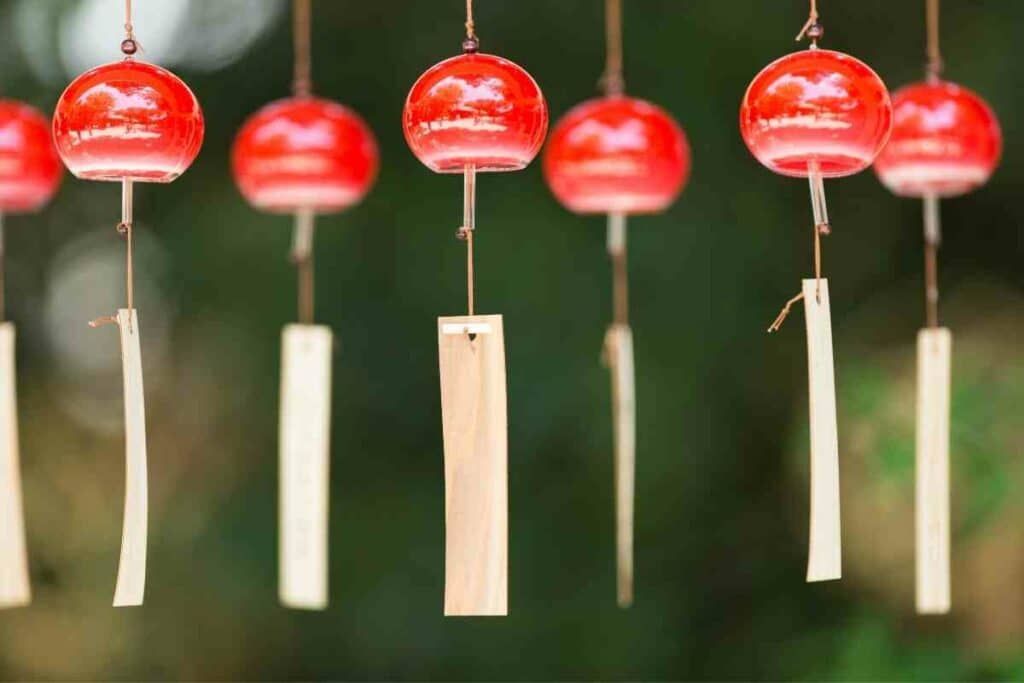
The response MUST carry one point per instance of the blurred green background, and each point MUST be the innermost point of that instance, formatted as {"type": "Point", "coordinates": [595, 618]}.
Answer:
{"type": "Point", "coordinates": [721, 482]}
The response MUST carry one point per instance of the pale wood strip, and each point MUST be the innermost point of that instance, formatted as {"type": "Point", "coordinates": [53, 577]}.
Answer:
{"type": "Point", "coordinates": [824, 560]}
{"type": "Point", "coordinates": [15, 590]}
{"type": "Point", "coordinates": [304, 465]}
{"type": "Point", "coordinates": [934, 347]}
{"type": "Point", "coordinates": [619, 348]}
{"type": "Point", "coordinates": [131, 573]}
{"type": "Point", "coordinates": [474, 423]}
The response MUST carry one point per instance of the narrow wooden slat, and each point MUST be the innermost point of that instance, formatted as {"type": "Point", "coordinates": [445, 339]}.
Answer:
{"type": "Point", "coordinates": [824, 560]}
{"type": "Point", "coordinates": [14, 582]}
{"type": "Point", "coordinates": [474, 423]}
{"type": "Point", "coordinates": [131, 573]}
{"type": "Point", "coordinates": [304, 465]}
{"type": "Point", "coordinates": [619, 349]}
{"type": "Point", "coordinates": [934, 348]}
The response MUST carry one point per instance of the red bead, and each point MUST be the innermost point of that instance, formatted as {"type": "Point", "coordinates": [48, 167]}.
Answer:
{"type": "Point", "coordinates": [945, 141]}
{"type": "Point", "coordinates": [304, 152]}
{"type": "Point", "coordinates": [478, 110]}
{"type": "Point", "coordinates": [128, 120]}
{"type": "Point", "coordinates": [30, 171]}
{"type": "Point", "coordinates": [816, 105]}
{"type": "Point", "coordinates": [617, 154]}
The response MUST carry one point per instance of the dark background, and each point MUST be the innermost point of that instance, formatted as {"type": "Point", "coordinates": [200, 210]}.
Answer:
{"type": "Point", "coordinates": [721, 487]}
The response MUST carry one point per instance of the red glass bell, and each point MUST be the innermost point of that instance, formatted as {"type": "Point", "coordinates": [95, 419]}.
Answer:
{"type": "Point", "coordinates": [816, 106]}
{"type": "Point", "coordinates": [945, 141]}
{"type": "Point", "coordinates": [30, 171]}
{"type": "Point", "coordinates": [304, 153]}
{"type": "Point", "coordinates": [475, 110]}
{"type": "Point", "coordinates": [617, 155]}
{"type": "Point", "coordinates": [128, 121]}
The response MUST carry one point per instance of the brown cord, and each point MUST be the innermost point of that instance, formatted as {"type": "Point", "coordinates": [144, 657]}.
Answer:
{"type": "Point", "coordinates": [306, 288]}
{"type": "Point", "coordinates": [933, 68]}
{"type": "Point", "coordinates": [465, 232]}
{"type": "Point", "coordinates": [812, 20]}
{"type": "Point", "coordinates": [817, 263]}
{"type": "Point", "coordinates": [781, 317]}
{"type": "Point", "coordinates": [620, 288]}
{"type": "Point", "coordinates": [302, 80]}
{"type": "Point", "coordinates": [3, 255]}
{"type": "Point", "coordinates": [620, 275]}
{"type": "Point", "coordinates": [469, 273]}
{"type": "Point", "coordinates": [129, 30]}
{"type": "Point", "coordinates": [124, 227]}
{"type": "Point", "coordinates": [931, 279]}
{"type": "Point", "coordinates": [470, 24]}
{"type": "Point", "coordinates": [612, 81]}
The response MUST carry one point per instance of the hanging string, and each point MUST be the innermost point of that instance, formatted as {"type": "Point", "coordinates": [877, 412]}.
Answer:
{"type": "Point", "coordinates": [302, 80]}
{"type": "Point", "coordinates": [781, 317]}
{"type": "Point", "coordinates": [933, 68]}
{"type": "Point", "coordinates": [470, 24]}
{"type": "Point", "coordinates": [302, 86]}
{"type": "Point", "coordinates": [125, 227]}
{"type": "Point", "coordinates": [812, 28]}
{"type": "Point", "coordinates": [620, 274]}
{"type": "Point", "coordinates": [465, 232]}
{"type": "Point", "coordinates": [471, 43]}
{"type": "Point", "coordinates": [129, 46]}
{"type": "Point", "coordinates": [612, 81]}
{"type": "Point", "coordinates": [2, 273]}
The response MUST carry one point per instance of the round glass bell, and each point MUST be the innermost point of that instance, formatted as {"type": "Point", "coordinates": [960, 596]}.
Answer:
{"type": "Point", "coordinates": [30, 170]}
{"type": "Point", "coordinates": [128, 120]}
{"type": "Point", "coordinates": [617, 155]}
{"type": "Point", "coordinates": [304, 153]}
{"type": "Point", "coordinates": [945, 141]}
{"type": "Point", "coordinates": [816, 107]}
{"type": "Point", "coordinates": [475, 110]}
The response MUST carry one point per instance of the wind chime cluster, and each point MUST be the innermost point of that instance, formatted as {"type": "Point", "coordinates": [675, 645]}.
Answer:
{"type": "Point", "coordinates": [815, 113]}
{"type": "Point", "coordinates": [822, 114]}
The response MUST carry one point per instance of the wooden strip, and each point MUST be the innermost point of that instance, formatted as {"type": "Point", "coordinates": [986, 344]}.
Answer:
{"type": "Point", "coordinates": [619, 346]}
{"type": "Point", "coordinates": [824, 560]}
{"type": "Point", "coordinates": [15, 590]}
{"type": "Point", "coordinates": [934, 348]}
{"type": "Point", "coordinates": [305, 430]}
{"type": "Point", "coordinates": [131, 573]}
{"type": "Point", "coordinates": [474, 423]}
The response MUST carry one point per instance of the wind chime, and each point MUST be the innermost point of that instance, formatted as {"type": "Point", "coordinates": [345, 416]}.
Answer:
{"type": "Point", "coordinates": [945, 142]}
{"type": "Point", "coordinates": [129, 122]}
{"type": "Point", "coordinates": [30, 174]}
{"type": "Point", "coordinates": [304, 155]}
{"type": "Point", "coordinates": [469, 114]}
{"type": "Point", "coordinates": [618, 155]}
{"type": "Point", "coordinates": [817, 114]}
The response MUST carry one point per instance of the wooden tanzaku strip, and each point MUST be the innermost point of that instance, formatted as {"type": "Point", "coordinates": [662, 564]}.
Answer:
{"type": "Point", "coordinates": [131, 573]}
{"type": "Point", "coordinates": [14, 583]}
{"type": "Point", "coordinates": [474, 424]}
{"type": "Point", "coordinates": [824, 560]}
{"type": "Point", "coordinates": [304, 465]}
{"type": "Point", "coordinates": [934, 347]}
{"type": "Point", "coordinates": [619, 352]}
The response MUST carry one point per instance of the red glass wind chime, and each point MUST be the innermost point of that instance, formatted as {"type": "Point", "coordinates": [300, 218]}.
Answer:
{"type": "Point", "coordinates": [470, 114]}
{"type": "Point", "coordinates": [618, 155]}
{"type": "Point", "coordinates": [945, 142]}
{"type": "Point", "coordinates": [817, 114]}
{"type": "Point", "coordinates": [30, 174]}
{"type": "Point", "coordinates": [304, 155]}
{"type": "Point", "coordinates": [129, 122]}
